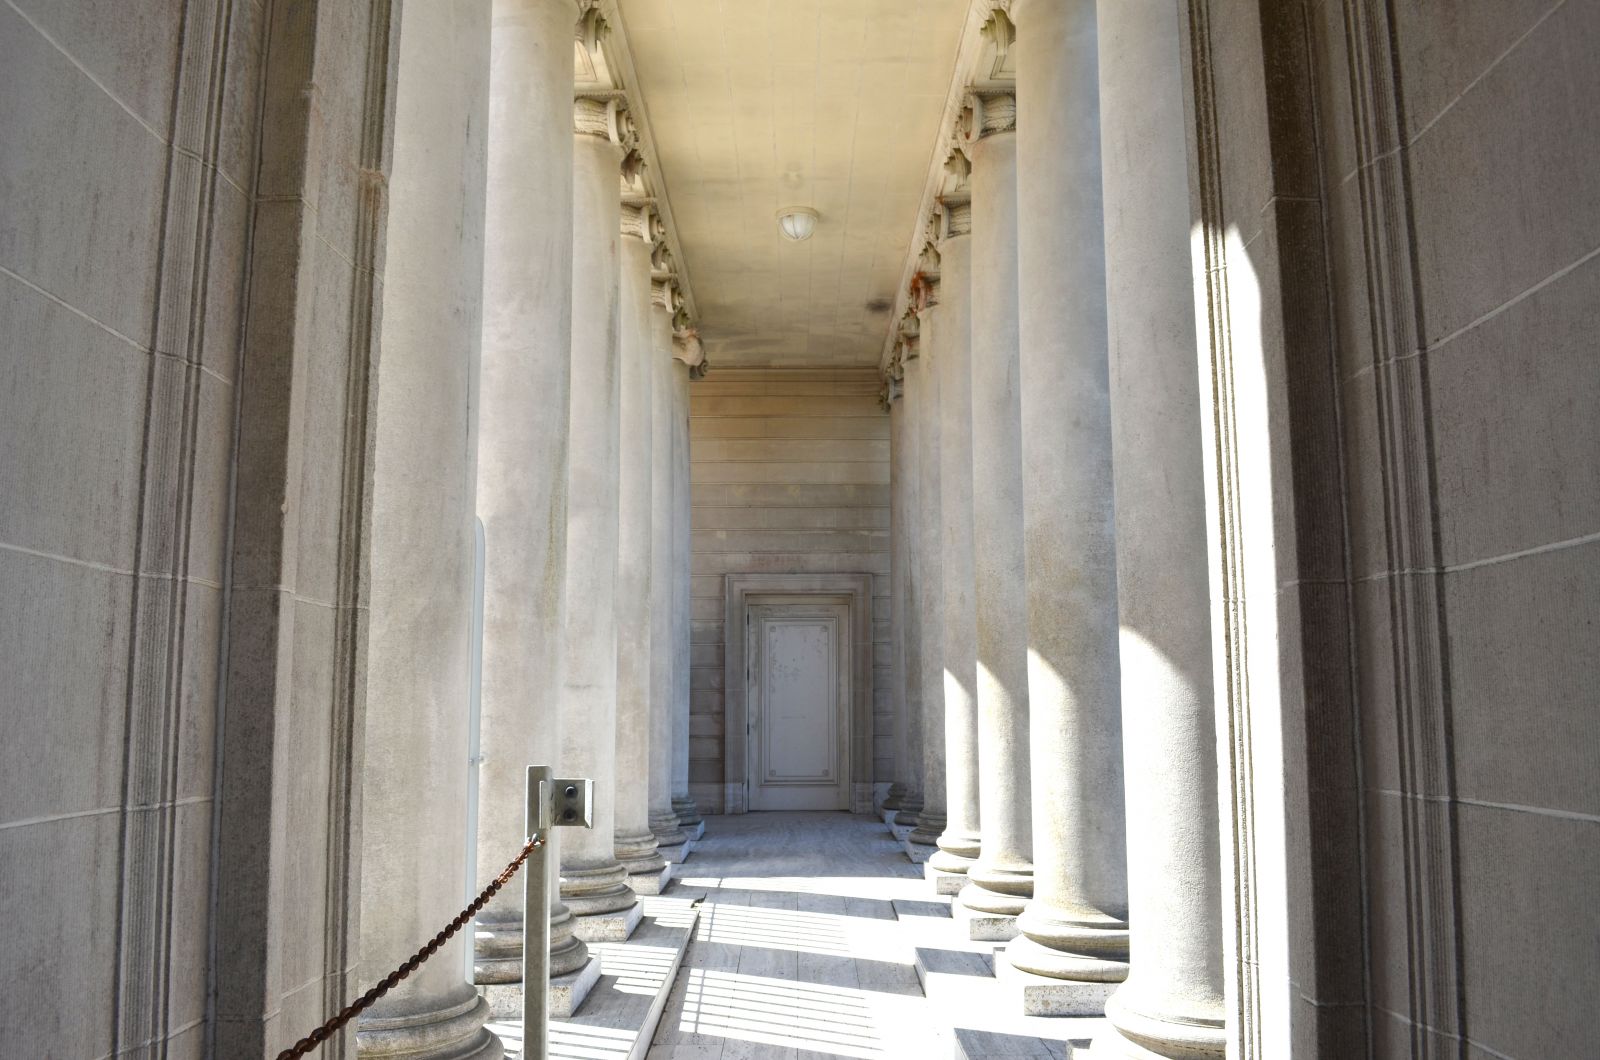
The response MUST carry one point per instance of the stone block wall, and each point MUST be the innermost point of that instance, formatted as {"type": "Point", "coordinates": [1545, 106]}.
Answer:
{"type": "Point", "coordinates": [191, 199]}
{"type": "Point", "coordinates": [1398, 272]}
{"type": "Point", "coordinates": [790, 475]}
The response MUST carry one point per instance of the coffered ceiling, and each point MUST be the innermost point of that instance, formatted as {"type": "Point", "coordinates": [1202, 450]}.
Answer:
{"type": "Point", "coordinates": [761, 104]}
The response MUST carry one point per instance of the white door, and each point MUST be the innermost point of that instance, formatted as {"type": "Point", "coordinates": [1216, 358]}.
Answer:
{"type": "Point", "coordinates": [798, 691]}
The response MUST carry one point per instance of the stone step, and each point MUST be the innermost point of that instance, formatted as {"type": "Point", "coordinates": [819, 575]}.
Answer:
{"type": "Point", "coordinates": [619, 1018]}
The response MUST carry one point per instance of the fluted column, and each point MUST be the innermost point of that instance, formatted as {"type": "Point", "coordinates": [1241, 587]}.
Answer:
{"type": "Point", "coordinates": [1172, 1002]}
{"type": "Point", "coordinates": [689, 359]}
{"type": "Point", "coordinates": [635, 842]}
{"type": "Point", "coordinates": [1002, 878]}
{"type": "Point", "coordinates": [593, 882]}
{"type": "Point", "coordinates": [959, 845]}
{"type": "Point", "coordinates": [522, 450]}
{"type": "Point", "coordinates": [929, 556]}
{"type": "Point", "coordinates": [1076, 927]}
{"type": "Point", "coordinates": [418, 653]}
{"type": "Point", "coordinates": [663, 576]}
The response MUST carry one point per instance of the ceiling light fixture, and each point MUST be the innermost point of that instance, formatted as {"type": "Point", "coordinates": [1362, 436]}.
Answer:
{"type": "Point", "coordinates": [797, 222]}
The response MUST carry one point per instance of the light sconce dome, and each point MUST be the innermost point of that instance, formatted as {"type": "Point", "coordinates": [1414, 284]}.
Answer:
{"type": "Point", "coordinates": [797, 222]}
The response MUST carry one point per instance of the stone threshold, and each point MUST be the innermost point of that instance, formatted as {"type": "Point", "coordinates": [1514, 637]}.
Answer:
{"type": "Point", "coordinates": [618, 1020]}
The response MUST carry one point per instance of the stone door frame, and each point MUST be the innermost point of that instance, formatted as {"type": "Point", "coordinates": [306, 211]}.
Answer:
{"type": "Point", "coordinates": [856, 589]}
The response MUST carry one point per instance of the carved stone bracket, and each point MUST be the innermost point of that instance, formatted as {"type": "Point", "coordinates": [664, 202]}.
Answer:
{"type": "Point", "coordinates": [686, 347]}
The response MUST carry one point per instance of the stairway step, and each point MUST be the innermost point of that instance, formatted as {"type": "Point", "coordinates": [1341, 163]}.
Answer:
{"type": "Point", "coordinates": [619, 1017]}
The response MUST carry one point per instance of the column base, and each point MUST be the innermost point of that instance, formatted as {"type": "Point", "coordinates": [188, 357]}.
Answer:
{"type": "Point", "coordinates": [688, 814]}
{"type": "Point", "coordinates": [895, 798]}
{"type": "Point", "coordinates": [1002, 891]}
{"type": "Point", "coordinates": [678, 854]}
{"type": "Point", "coordinates": [596, 890]}
{"type": "Point", "coordinates": [944, 881]}
{"type": "Point", "coordinates": [664, 826]}
{"type": "Point", "coordinates": [637, 852]}
{"type": "Point", "coordinates": [614, 926]}
{"type": "Point", "coordinates": [929, 827]}
{"type": "Point", "coordinates": [1140, 1035]}
{"type": "Point", "coordinates": [650, 881]}
{"type": "Point", "coordinates": [1088, 947]}
{"type": "Point", "coordinates": [919, 853]}
{"type": "Point", "coordinates": [455, 1031]}
{"type": "Point", "coordinates": [566, 993]}
{"type": "Point", "coordinates": [984, 927]}
{"type": "Point", "coordinates": [1042, 995]}
{"type": "Point", "coordinates": [497, 953]}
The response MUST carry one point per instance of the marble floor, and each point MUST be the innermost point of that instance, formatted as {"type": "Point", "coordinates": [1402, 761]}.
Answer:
{"type": "Point", "coordinates": [806, 947]}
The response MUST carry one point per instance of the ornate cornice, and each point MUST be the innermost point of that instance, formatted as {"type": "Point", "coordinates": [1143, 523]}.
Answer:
{"type": "Point", "coordinates": [984, 73]}
{"type": "Point", "coordinates": [608, 102]}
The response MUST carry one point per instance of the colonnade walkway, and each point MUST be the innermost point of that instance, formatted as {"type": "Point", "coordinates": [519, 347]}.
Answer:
{"type": "Point", "coordinates": [807, 946]}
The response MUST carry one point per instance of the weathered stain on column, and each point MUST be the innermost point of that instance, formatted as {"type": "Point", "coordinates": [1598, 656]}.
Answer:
{"type": "Point", "coordinates": [1172, 1002]}
{"type": "Point", "coordinates": [522, 451]}
{"type": "Point", "coordinates": [592, 880]}
{"type": "Point", "coordinates": [1002, 879]}
{"type": "Point", "coordinates": [1076, 928]}
{"type": "Point", "coordinates": [414, 784]}
{"type": "Point", "coordinates": [635, 843]}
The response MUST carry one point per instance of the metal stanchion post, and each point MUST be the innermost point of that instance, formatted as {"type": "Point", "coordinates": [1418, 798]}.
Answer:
{"type": "Point", "coordinates": [551, 804]}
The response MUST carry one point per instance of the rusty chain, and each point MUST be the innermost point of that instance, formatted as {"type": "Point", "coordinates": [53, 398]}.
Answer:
{"type": "Point", "coordinates": [305, 1045]}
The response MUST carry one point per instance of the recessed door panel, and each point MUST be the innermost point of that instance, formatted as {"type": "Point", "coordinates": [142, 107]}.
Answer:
{"type": "Point", "coordinates": [797, 696]}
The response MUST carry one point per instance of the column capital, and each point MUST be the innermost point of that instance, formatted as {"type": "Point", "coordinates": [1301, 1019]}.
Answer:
{"type": "Point", "coordinates": [955, 220]}
{"type": "Point", "coordinates": [888, 393]}
{"type": "Point", "coordinates": [986, 113]}
{"type": "Point", "coordinates": [910, 335]}
{"type": "Point", "coordinates": [642, 222]}
{"type": "Point", "coordinates": [605, 117]}
{"type": "Point", "coordinates": [664, 294]}
{"type": "Point", "coordinates": [924, 289]}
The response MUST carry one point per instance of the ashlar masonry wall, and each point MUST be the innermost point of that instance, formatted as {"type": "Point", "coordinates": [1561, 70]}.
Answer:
{"type": "Point", "coordinates": [790, 475]}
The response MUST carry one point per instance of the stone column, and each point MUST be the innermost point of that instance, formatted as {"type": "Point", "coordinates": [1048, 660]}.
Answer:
{"type": "Point", "coordinates": [670, 838]}
{"type": "Point", "coordinates": [1172, 1002]}
{"type": "Point", "coordinates": [689, 359]}
{"type": "Point", "coordinates": [929, 556]}
{"type": "Point", "coordinates": [423, 545]}
{"type": "Point", "coordinates": [635, 842]}
{"type": "Point", "coordinates": [1002, 879]}
{"type": "Point", "coordinates": [1076, 928]}
{"type": "Point", "coordinates": [899, 473]}
{"type": "Point", "coordinates": [593, 882]}
{"type": "Point", "coordinates": [959, 845]}
{"type": "Point", "coordinates": [909, 605]}
{"type": "Point", "coordinates": [522, 455]}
